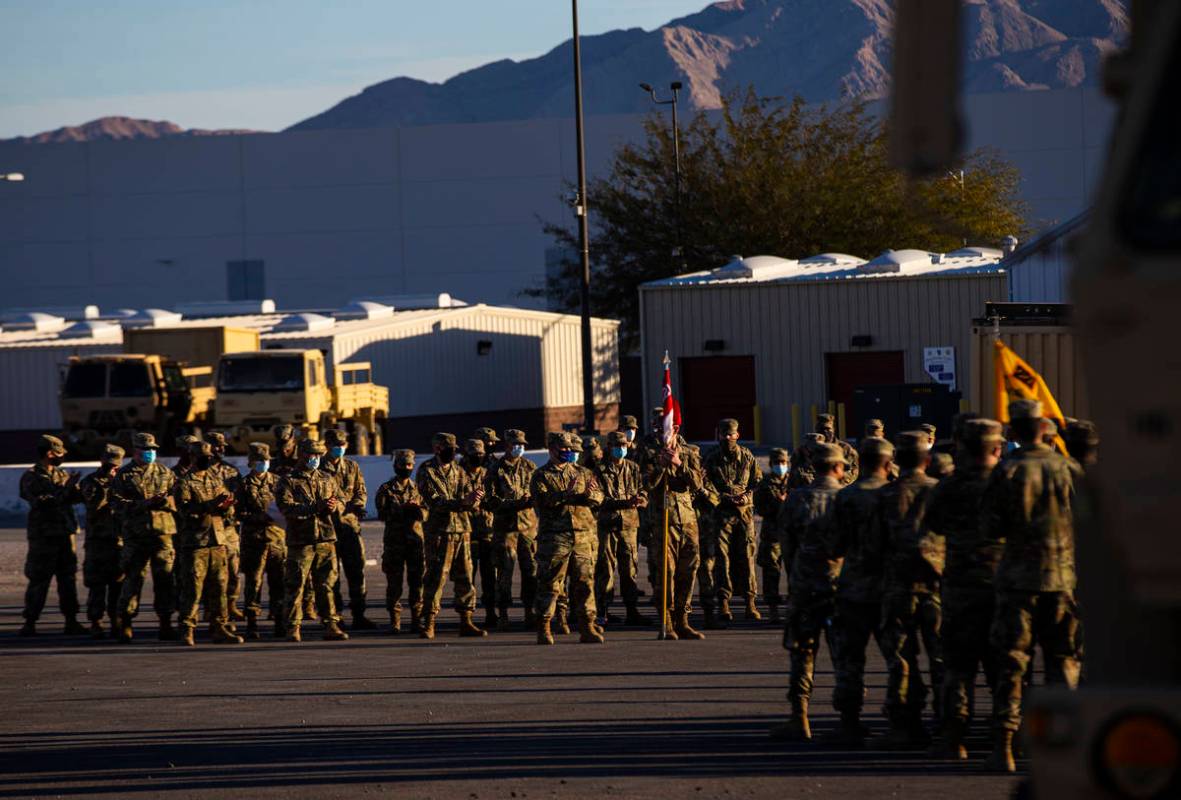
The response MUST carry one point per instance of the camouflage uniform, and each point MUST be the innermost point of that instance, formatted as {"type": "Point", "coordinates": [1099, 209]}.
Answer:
{"type": "Point", "coordinates": [143, 497]}
{"type": "Point", "coordinates": [350, 547]}
{"type": "Point", "coordinates": [51, 494]}
{"type": "Point", "coordinates": [284, 462]}
{"type": "Point", "coordinates": [233, 542]}
{"type": "Point", "coordinates": [514, 527]}
{"type": "Point", "coordinates": [769, 499]}
{"type": "Point", "coordinates": [802, 472]}
{"type": "Point", "coordinates": [618, 524]}
{"type": "Point", "coordinates": [403, 558]}
{"type": "Point", "coordinates": [728, 548]}
{"type": "Point", "coordinates": [483, 548]}
{"type": "Point", "coordinates": [104, 544]}
{"type": "Point", "coordinates": [264, 545]}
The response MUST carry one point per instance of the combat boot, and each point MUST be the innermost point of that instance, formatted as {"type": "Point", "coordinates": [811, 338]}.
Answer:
{"type": "Point", "coordinates": [502, 623]}
{"type": "Point", "coordinates": [280, 627]}
{"type": "Point", "coordinates": [950, 746]}
{"type": "Point", "coordinates": [252, 627]}
{"type": "Point", "coordinates": [712, 623]}
{"type": "Point", "coordinates": [752, 610]}
{"type": "Point", "coordinates": [635, 618]}
{"type": "Point", "coordinates": [124, 634]}
{"type": "Point", "coordinates": [416, 619]}
{"type": "Point", "coordinates": [530, 619]}
{"type": "Point", "coordinates": [428, 627]}
{"type": "Point", "coordinates": [236, 613]}
{"type": "Point", "coordinates": [561, 625]}
{"type": "Point", "coordinates": [166, 633]}
{"type": "Point", "coordinates": [220, 633]}
{"type": "Point", "coordinates": [96, 630]}
{"type": "Point", "coordinates": [309, 611]}
{"type": "Point", "coordinates": [796, 729]}
{"type": "Point", "coordinates": [1001, 757]}
{"type": "Point", "coordinates": [362, 623]}
{"type": "Point", "coordinates": [395, 621]}
{"type": "Point", "coordinates": [774, 615]}
{"type": "Point", "coordinates": [724, 612]}
{"type": "Point", "coordinates": [685, 630]}
{"type": "Point", "coordinates": [28, 629]}
{"type": "Point", "coordinates": [186, 636]}
{"type": "Point", "coordinates": [73, 627]}
{"type": "Point", "coordinates": [468, 629]}
{"type": "Point", "coordinates": [670, 634]}
{"type": "Point", "coordinates": [293, 635]}
{"type": "Point", "coordinates": [849, 732]}
{"type": "Point", "coordinates": [490, 619]}
{"type": "Point", "coordinates": [544, 634]}
{"type": "Point", "coordinates": [334, 633]}
{"type": "Point", "coordinates": [588, 632]}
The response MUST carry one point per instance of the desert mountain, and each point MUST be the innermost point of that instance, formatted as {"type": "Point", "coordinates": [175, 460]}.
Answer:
{"type": "Point", "coordinates": [114, 128]}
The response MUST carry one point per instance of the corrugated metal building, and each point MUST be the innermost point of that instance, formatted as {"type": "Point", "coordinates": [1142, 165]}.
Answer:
{"type": "Point", "coordinates": [768, 332]}
{"type": "Point", "coordinates": [1039, 272]}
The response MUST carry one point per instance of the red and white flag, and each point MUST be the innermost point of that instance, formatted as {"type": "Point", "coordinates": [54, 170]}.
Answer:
{"type": "Point", "coordinates": [672, 409]}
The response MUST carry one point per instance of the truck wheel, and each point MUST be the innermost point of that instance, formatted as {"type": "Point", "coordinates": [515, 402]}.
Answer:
{"type": "Point", "coordinates": [360, 439]}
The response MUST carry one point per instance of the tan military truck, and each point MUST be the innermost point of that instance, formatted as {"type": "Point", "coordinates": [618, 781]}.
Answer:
{"type": "Point", "coordinates": [259, 390]}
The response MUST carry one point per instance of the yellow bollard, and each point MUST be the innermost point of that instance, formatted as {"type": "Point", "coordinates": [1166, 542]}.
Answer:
{"type": "Point", "coordinates": [964, 405]}
{"type": "Point", "coordinates": [758, 418]}
{"type": "Point", "coordinates": [813, 421]}
{"type": "Point", "coordinates": [840, 420]}
{"type": "Point", "coordinates": [832, 408]}
{"type": "Point", "coordinates": [795, 426]}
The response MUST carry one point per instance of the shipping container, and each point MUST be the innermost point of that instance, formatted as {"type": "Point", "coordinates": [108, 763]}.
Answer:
{"type": "Point", "coordinates": [196, 346]}
{"type": "Point", "coordinates": [1049, 349]}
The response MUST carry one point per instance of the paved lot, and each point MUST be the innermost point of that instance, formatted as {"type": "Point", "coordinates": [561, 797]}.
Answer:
{"type": "Point", "coordinates": [495, 718]}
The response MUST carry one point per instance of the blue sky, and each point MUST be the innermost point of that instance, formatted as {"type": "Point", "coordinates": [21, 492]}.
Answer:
{"type": "Point", "coordinates": [262, 64]}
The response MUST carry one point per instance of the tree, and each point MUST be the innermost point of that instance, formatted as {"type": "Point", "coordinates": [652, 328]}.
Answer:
{"type": "Point", "coordinates": [772, 178]}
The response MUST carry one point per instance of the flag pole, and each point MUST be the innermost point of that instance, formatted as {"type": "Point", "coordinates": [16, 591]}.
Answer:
{"type": "Point", "coordinates": [664, 546]}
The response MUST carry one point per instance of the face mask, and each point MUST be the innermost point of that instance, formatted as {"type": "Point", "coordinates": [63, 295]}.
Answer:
{"type": "Point", "coordinates": [403, 472]}
{"type": "Point", "coordinates": [630, 434]}
{"type": "Point", "coordinates": [779, 470]}
{"type": "Point", "coordinates": [313, 462]}
{"type": "Point", "coordinates": [261, 466]}
{"type": "Point", "coordinates": [149, 456]}
{"type": "Point", "coordinates": [516, 450]}
{"type": "Point", "coordinates": [570, 456]}
{"type": "Point", "coordinates": [336, 452]}
{"type": "Point", "coordinates": [203, 462]}
{"type": "Point", "coordinates": [618, 452]}
{"type": "Point", "coordinates": [447, 454]}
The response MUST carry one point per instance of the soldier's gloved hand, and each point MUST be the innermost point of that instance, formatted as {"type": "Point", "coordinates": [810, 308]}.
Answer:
{"type": "Point", "coordinates": [225, 501]}
{"type": "Point", "coordinates": [331, 504]}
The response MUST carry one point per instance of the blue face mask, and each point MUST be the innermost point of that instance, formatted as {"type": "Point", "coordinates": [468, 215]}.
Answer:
{"type": "Point", "coordinates": [313, 462]}
{"type": "Point", "coordinates": [570, 456]}
{"type": "Point", "coordinates": [779, 470]}
{"type": "Point", "coordinates": [630, 433]}
{"type": "Point", "coordinates": [618, 452]}
{"type": "Point", "coordinates": [149, 456]}
{"type": "Point", "coordinates": [336, 452]}
{"type": "Point", "coordinates": [517, 450]}
{"type": "Point", "coordinates": [261, 466]}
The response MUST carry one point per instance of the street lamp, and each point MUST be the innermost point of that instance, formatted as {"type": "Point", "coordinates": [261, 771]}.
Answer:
{"type": "Point", "coordinates": [676, 87]}
{"type": "Point", "coordinates": [958, 177]}
{"type": "Point", "coordinates": [580, 208]}
{"type": "Point", "coordinates": [13, 177]}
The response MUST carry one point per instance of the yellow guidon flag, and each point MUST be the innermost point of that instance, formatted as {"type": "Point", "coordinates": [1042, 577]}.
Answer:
{"type": "Point", "coordinates": [1016, 380]}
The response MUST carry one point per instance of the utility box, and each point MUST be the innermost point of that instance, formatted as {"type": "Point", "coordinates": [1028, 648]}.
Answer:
{"type": "Point", "coordinates": [903, 407]}
{"type": "Point", "coordinates": [194, 346]}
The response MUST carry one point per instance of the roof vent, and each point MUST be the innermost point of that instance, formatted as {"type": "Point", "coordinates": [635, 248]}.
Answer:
{"type": "Point", "coordinates": [36, 321]}
{"type": "Point", "coordinates": [65, 312]}
{"type": "Point", "coordinates": [364, 309]}
{"type": "Point", "coordinates": [92, 329]}
{"type": "Point", "coordinates": [757, 268]}
{"type": "Point", "coordinates": [897, 261]}
{"type": "Point", "coordinates": [977, 252]}
{"type": "Point", "coordinates": [831, 260]}
{"type": "Point", "coordinates": [411, 302]}
{"type": "Point", "coordinates": [226, 308]}
{"type": "Point", "coordinates": [1009, 244]}
{"type": "Point", "coordinates": [304, 322]}
{"type": "Point", "coordinates": [152, 318]}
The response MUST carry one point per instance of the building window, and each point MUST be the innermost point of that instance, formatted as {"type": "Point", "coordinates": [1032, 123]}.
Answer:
{"type": "Point", "coordinates": [245, 280]}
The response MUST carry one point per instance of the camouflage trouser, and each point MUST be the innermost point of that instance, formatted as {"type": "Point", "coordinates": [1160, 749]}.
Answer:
{"type": "Point", "coordinates": [206, 571]}
{"type": "Point", "coordinates": [1051, 618]}
{"type": "Point", "coordinates": [448, 555]}
{"type": "Point", "coordinates": [140, 555]}
{"type": "Point", "coordinates": [513, 548]}
{"type": "Point", "coordinates": [102, 578]}
{"type": "Point", "coordinates": [727, 560]}
{"type": "Point", "coordinates": [967, 620]}
{"type": "Point", "coordinates": [403, 560]}
{"type": "Point", "coordinates": [770, 558]}
{"type": "Point", "coordinates": [907, 617]}
{"type": "Point", "coordinates": [350, 549]}
{"type": "Point", "coordinates": [561, 555]}
{"type": "Point", "coordinates": [808, 613]}
{"type": "Point", "coordinates": [617, 551]}
{"type": "Point", "coordinates": [233, 546]}
{"type": "Point", "coordinates": [51, 559]}
{"type": "Point", "coordinates": [262, 558]}
{"type": "Point", "coordinates": [484, 563]}
{"type": "Point", "coordinates": [317, 561]}
{"type": "Point", "coordinates": [853, 625]}
{"type": "Point", "coordinates": [684, 560]}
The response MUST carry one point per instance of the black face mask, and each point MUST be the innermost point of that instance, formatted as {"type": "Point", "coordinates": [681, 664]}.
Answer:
{"type": "Point", "coordinates": [403, 472]}
{"type": "Point", "coordinates": [446, 454]}
{"type": "Point", "coordinates": [203, 462]}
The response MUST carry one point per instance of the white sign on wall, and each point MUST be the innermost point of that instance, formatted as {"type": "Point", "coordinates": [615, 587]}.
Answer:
{"type": "Point", "coordinates": [939, 363]}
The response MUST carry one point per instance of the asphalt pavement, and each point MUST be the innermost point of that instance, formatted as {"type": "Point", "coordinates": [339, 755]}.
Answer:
{"type": "Point", "coordinates": [454, 718]}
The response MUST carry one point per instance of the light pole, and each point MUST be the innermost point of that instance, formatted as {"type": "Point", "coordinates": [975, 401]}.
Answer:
{"type": "Point", "coordinates": [958, 177]}
{"type": "Point", "coordinates": [12, 177]}
{"type": "Point", "coordinates": [676, 87]}
{"type": "Point", "coordinates": [580, 208]}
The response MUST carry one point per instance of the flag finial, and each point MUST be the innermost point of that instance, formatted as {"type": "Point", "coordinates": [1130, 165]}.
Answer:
{"type": "Point", "coordinates": [666, 361]}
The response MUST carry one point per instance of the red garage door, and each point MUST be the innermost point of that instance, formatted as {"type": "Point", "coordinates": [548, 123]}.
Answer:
{"type": "Point", "coordinates": [713, 388]}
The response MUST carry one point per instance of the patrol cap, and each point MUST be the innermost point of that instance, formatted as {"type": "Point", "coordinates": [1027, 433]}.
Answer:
{"type": "Point", "coordinates": [875, 447]}
{"type": "Point", "coordinates": [928, 429]}
{"type": "Point", "coordinates": [874, 424]}
{"type": "Point", "coordinates": [813, 438]}
{"type": "Point", "coordinates": [335, 437]}
{"type": "Point", "coordinates": [658, 411]}
{"type": "Point", "coordinates": [778, 454]}
{"type": "Point", "coordinates": [555, 439]}
{"type": "Point", "coordinates": [144, 441]}
{"type": "Point", "coordinates": [960, 420]}
{"type": "Point", "coordinates": [1082, 431]}
{"type": "Point", "coordinates": [986, 431]}
{"type": "Point", "coordinates": [112, 454]}
{"type": "Point", "coordinates": [942, 465]}
{"type": "Point", "coordinates": [51, 444]}
{"type": "Point", "coordinates": [913, 442]}
{"type": "Point", "coordinates": [283, 432]}
{"type": "Point", "coordinates": [443, 439]}
{"type": "Point", "coordinates": [573, 442]}
{"type": "Point", "coordinates": [185, 439]}
{"type": "Point", "coordinates": [474, 446]}
{"type": "Point", "coordinates": [824, 420]}
{"type": "Point", "coordinates": [514, 436]}
{"type": "Point", "coordinates": [628, 422]}
{"type": "Point", "coordinates": [1025, 409]}
{"type": "Point", "coordinates": [200, 448]}
{"type": "Point", "coordinates": [591, 444]}
{"type": "Point", "coordinates": [617, 439]}
{"type": "Point", "coordinates": [259, 451]}
{"type": "Point", "coordinates": [311, 447]}
{"type": "Point", "coordinates": [1051, 427]}
{"type": "Point", "coordinates": [216, 438]}
{"type": "Point", "coordinates": [727, 426]}
{"type": "Point", "coordinates": [486, 435]}
{"type": "Point", "coordinates": [826, 453]}
{"type": "Point", "coordinates": [404, 458]}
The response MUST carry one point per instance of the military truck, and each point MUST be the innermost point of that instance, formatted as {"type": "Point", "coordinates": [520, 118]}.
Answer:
{"type": "Point", "coordinates": [264, 388]}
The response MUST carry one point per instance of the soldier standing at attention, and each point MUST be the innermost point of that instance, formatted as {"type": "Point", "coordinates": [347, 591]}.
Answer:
{"type": "Point", "coordinates": [645, 453]}
{"type": "Point", "coordinates": [228, 473]}
{"type": "Point", "coordinates": [147, 510]}
{"type": "Point", "coordinates": [51, 493]}
{"type": "Point", "coordinates": [728, 551]}
{"type": "Point", "coordinates": [618, 524]}
{"type": "Point", "coordinates": [826, 426]}
{"type": "Point", "coordinates": [629, 426]}
{"type": "Point", "coordinates": [204, 504]}
{"type": "Point", "coordinates": [475, 463]}
{"type": "Point", "coordinates": [283, 463]}
{"type": "Point", "coordinates": [769, 498]}
{"type": "Point", "coordinates": [876, 429]}
{"type": "Point", "coordinates": [806, 536]}
{"type": "Point", "coordinates": [969, 593]}
{"type": "Point", "coordinates": [450, 497]}
{"type": "Point", "coordinates": [859, 587]}
{"type": "Point", "coordinates": [565, 496]}
{"type": "Point", "coordinates": [350, 546]}
{"type": "Point", "coordinates": [184, 459]}
{"type": "Point", "coordinates": [264, 547]}
{"type": "Point", "coordinates": [309, 500]}
{"type": "Point", "coordinates": [802, 474]}
{"type": "Point", "coordinates": [1028, 504]}
{"type": "Point", "coordinates": [911, 608]}
{"type": "Point", "coordinates": [514, 528]}
{"type": "Point", "coordinates": [401, 507]}
{"type": "Point", "coordinates": [104, 545]}
{"type": "Point", "coordinates": [929, 431]}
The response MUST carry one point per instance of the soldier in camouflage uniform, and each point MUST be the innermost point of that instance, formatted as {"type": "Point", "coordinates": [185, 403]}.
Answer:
{"type": "Point", "coordinates": [644, 452]}
{"type": "Point", "coordinates": [450, 496]}
{"type": "Point", "coordinates": [618, 524]}
{"type": "Point", "coordinates": [264, 546]}
{"type": "Point", "coordinates": [806, 537]}
{"type": "Point", "coordinates": [929, 430]}
{"type": "Point", "coordinates": [514, 527]}
{"type": "Point", "coordinates": [942, 466]}
{"type": "Point", "coordinates": [629, 426]}
{"type": "Point", "coordinates": [859, 587]}
{"type": "Point", "coordinates": [283, 463]}
{"type": "Point", "coordinates": [565, 496]}
{"type": "Point", "coordinates": [802, 474]}
{"type": "Point", "coordinates": [310, 501]}
{"type": "Point", "coordinates": [228, 473]}
{"type": "Point", "coordinates": [911, 607]}
{"type": "Point", "coordinates": [728, 549]}
{"type": "Point", "coordinates": [876, 429]}
{"type": "Point", "coordinates": [51, 493]}
{"type": "Point", "coordinates": [1028, 503]}
{"type": "Point", "coordinates": [350, 546]}
{"type": "Point", "coordinates": [403, 557]}
{"type": "Point", "coordinates": [827, 427]}
{"type": "Point", "coordinates": [104, 544]}
{"type": "Point", "coordinates": [143, 498]}
{"type": "Point", "coordinates": [953, 512]}
{"type": "Point", "coordinates": [184, 459]}
{"type": "Point", "coordinates": [475, 463]}
{"type": "Point", "coordinates": [769, 499]}
{"type": "Point", "coordinates": [1082, 442]}
{"type": "Point", "coordinates": [204, 504]}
